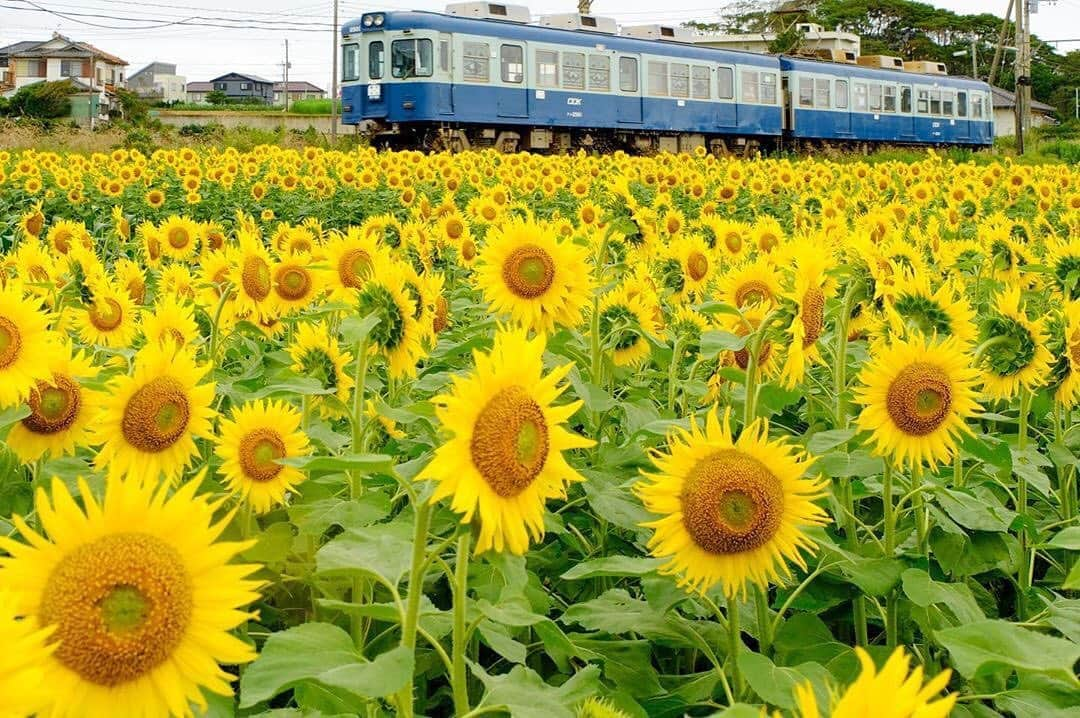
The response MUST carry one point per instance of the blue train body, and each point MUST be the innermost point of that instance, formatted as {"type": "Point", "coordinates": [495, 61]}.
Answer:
{"type": "Point", "coordinates": [434, 80]}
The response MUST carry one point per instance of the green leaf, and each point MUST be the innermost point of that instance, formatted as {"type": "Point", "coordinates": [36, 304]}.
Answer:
{"type": "Point", "coordinates": [860, 462]}
{"type": "Point", "coordinates": [1066, 538]}
{"type": "Point", "coordinates": [974, 512]}
{"type": "Point", "coordinates": [384, 550]}
{"type": "Point", "coordinates": [875, 576]}
{"type": "Point", "coordinates": [315, 518]}
{"type": "Point", "coordinates": [627, 664]}
{"type": "Point", "coordinates": [614, 566]}
{"type": "Point", "coordinates": [714, 341]}
{"type": "Point", "coordinates": [1072, 581]}
{"type": "Point", "coordinates": [594, 397]}
{"type": "Point", "coordinates": [987, 448]}
{"type": "Point", "coordinates": [273, 546]}
{"type": "Point", "coordinates": [524, 694]}
{"type": "Point", "coordinates": [365, 463]}
{"type": "Point", "coordinates": [614, 502]}
{"type": "Point", "coordinates": [355, 329]}
{"type": "Point", "coordinates": [925, 592]}
{"type": "Point", "coordinates": [291, 657]}
{"type": "Point", "coordinates": [984, 647]}
{"type": "Point", "coordinates": [384, 676]}
{"type": "Point", "coordinates": [776, 684]}
{"type": "Point", "coordinates": [616, 612]}
{"type": "Point", "coordinates": [822, 441]}
{"type": "Point", "coordinates": [290, 387]}
{"type": "Point", "coordinates": [11, 416]}
{"type": "Point", "coordinates": [1027, 463]}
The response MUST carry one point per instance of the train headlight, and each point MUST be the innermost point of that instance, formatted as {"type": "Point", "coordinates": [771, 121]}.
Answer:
{"type": "Point", "coordinates": [367, 21]}
{"type": "Point", "coordinates": [379, 19]}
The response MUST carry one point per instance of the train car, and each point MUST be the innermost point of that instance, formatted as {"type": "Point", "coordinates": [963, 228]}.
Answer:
{"type": "Point", "coordinates": [438, 81]}
{"type": "Point", "coordinates": [842, 104]}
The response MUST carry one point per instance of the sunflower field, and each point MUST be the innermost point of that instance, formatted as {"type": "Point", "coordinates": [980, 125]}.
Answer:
{"type": "Point", "coordinates": [318, 433]}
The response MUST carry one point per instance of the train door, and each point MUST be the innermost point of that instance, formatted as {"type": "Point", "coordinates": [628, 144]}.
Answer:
{"type": "Point", "coordinates": [842, 115]}
{"type": "Point", "coordinates": [513, 96]}
{"type": "Point", "coordinates": [444, 93]}
{"type": "Point", "coordinates": [907, 113]}
{"type": "Point", "coordinates": [962, 130]}
{"type": "Point", "coordinates": [629, 111]}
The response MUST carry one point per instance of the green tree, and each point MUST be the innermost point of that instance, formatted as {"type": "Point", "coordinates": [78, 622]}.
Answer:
{"type": "Point", "coordinates": [42, 100]}
{"type": "Point", "coordinates": [217, 97]}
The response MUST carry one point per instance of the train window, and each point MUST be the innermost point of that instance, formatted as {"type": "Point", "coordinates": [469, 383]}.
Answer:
{"type": "Point", "coordinates": [905, 99]}
{"type": "Point", "coordinates": [477, 66]}
{"type": "Point", "coordinates": [657, 78]}
{"type": "Point", "coordinates": [841, 94]}
{"type": "Point", "coordinates": [806, 92]}
{"type": "Point", "coordinates": [680, 80]}
{"type": "Point", "coordinates": [922, 102]}
{"type": "Point", "coordinates": [935, 102]}
{"type": "Point", "coordinates": [512, 62]}
{"type": "Point", "coordinates": [889, 104]}
{"type": "Point", "coordinates": [599, 73]}
{"type": "Point", "coordinates": [410, 58]}
{"type": "Point", "coordinates": [376, 59]}
{"type": "Point", "coordinates": [768, 88]}
{"type": "Point", "coordinates": [444, 55]}
{"type": "Point", "coordinates": [750, 87]}
{"type": "Point", "coordinates": [725, 77]}
{"type": "Point", "coordinates": [976, 105]}
{"type": "Point", "coordinates": [350, 62]}
{"type": "Point", "coordinates": [947, 102]}
{"type": "Point", "coordinates": [875, 97]}
{"type": "Point", "coordinates": [821, 94]}
{"type": "Point", "coordinates": [573, 70]}
{"type": "Point", "coordinates": [860, 97]}
{"type": "Point", "coordinates": [547, 68]}
{"type": "Point", "coordinates": [699, 83]}
{"type": "Point", "coordinates": [961, 104]}
{"type": "Point", "coordinates": [628, 75]}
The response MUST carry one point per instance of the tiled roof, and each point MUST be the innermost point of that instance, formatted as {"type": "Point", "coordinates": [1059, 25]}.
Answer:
{"type": "Point", "coordinates": [298, 86]}
{"type": "Point", "coordinates": [1004, 99]}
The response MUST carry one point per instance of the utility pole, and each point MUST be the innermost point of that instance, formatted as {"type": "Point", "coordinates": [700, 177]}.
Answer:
{"type": "Point", "coordinates": [286, 68]}
{"type": "Point", "coordinates": [1025, 89]}
{"type": "Point", "coordinates": [999, 50]}
{"type": "Point", "coordinates": [974, 59]}
{"type": "Point", "coordinates": [1018, 96]}
{"type": "Point", "coordinates": [334, 80]}
{"type": "Point", "coordinates": [1076, 101]}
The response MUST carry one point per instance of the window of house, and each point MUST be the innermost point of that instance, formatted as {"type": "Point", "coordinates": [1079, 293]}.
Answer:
{"type": "Point", "coordinates": [922, 102]}
{"type": "Point", "coordinates": [628, 74]}
{"type": "Point", "coordinates": [806, 92]}
{"type": "Point", "coordinates": [725, 83]}
{"type": "Point", "coordinates": [750, 88]}
{"type": "Point", "coordinates": [889, 98]}
{"type": "Point", "coordinates": [699, 83]}
{"type": "Point", "coordinates": [476, 67]}
{"type": "Point", "coordinates": [821, 94]}
{"type": "Point", "coordinates": [768, 88]}
{"type": "Point", "coordinates": [948, 100]}
{"type": "Point", "coordinates": [350, 62]}
{"type": "Point", "coordinates": [376, 60]}
{"type": "Point", "coordinates": [547, 68]}
{"type": "Point", "coordinates": [961, 104]}
{"type": "Point", "coordinates": [935, 102]}
{"type": "Point", "coordinates": [680, 80]}
{"type": "Point", "coordinates": [841, 94]}
{"type": "Point", "coordinates": [573, 70]}
{"type": "Point", "coordinates": [905, 99]}
{"type": "Point", "coordinates": [875, 97]}
{"type": "Point", "coordinates": [861, 101]}
{"type": "Point", "coordinates": [245, 85]}
{"type": "Point", "coordinates": [220, 86]}
{"type": "Point", "coordinates": [411, 58]}
{"type": "Point", "coordinates": [658, 78]}
{"type": "Point", "coordinates": [512, 63]}
{"type": "Point", "coordinates": [70, 68]}
{"type": "Point", "coordinates": [599, 73]}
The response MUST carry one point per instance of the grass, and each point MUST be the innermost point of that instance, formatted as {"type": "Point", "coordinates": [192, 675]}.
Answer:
{"type": "Point", "coordinates": [312, 106]}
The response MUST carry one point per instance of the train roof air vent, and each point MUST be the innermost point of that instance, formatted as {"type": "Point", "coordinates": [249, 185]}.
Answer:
{"type": "Point", "coordinates": [574, 21]}
{"type": "Point", "coordinates": [490, 11]}
{"type": "Point", "coordinates": [925, 67]}
{"type": "Point", "coordinates": [658, 32]}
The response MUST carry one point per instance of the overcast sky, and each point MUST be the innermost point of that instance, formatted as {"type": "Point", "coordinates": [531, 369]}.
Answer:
{"type": "Point", "coordinates": [141, 32]}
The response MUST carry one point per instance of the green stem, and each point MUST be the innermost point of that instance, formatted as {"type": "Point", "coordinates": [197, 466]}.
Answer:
{"type": "Point", "coordinates": [1024, 576]}
{"type": "Point", "coordinates": [858, 605]}
{"type": "Point", "coordinates": [761, 599]}
{"type": "Point", "coordinates": [459, 679]}
{"type": "Point", "coordinates": [889, 519]}
{"type": "Point", "coordinates": [673, 374]}
{"type": "Point", "coordinates": [918, 507]}
{"type": "Point", "coordinates": [412, 602]}
{"type": "Point", "coordinates": [215, 331]}
{"type": "Point", "coordinates": [356, 486]}
{"type": "Point", "coordinates": [749, 405]}
{"type": "Point", "coordinates": [734, 644]}
{"type": "Point", "coordinates": [840, 369]}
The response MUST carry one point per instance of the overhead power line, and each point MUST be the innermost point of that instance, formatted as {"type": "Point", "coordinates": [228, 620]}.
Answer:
{"type": "Point", "coordinates": [193, 21]}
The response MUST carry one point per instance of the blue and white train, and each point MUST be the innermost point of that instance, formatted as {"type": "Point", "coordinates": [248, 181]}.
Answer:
{"type": "Point", "coordinates": [488, 78]}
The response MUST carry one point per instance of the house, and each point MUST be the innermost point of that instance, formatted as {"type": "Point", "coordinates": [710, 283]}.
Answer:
{"type": "Point", "coordinates": [298, 90]}
{"type": "Point", "coordinates": [158, 82]}
{"type": "Point", "coordinates": [813, 38]}
{"type": "Point", "coordinates": [1005, 113]}
{"type": "Point", "coordinates": [95, 73]}
{"type": "Point", "coordinates": [243, 87]}
{"type": "Point", "coordinates": [197, 91]}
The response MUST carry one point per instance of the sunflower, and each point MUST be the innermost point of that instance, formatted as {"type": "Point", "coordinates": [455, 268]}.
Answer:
{"type": "Point", "coordinates": [732, 511]}
{"type": "Point", "coordinates": [155, 198]}
{"type": "Point", "coordinates": [32, 222]}
{"type": "Point", "coordinates": [25, 346]}
{"type": "Point", "coordinates": [132, 278]}
{"type": "Point", "coordinates": [141, 595]}
{"type": "Point", "coordinates": [768, 359]}
{"type": "Point", "coordinates": [399, 333]}
{"type": "Point", "coordinates": [109, 319]}
{"type": "Point", "coordinates": [296, 283]}
{"type": "Point", "coordinates": [626, 325]}
{"type": "Point", "coordinates": [1068, 391]}
{"type": "Point", "coordinates": [767, 234]}
{"type": "Point", "coordinates": [811, 288]}
{"type": "Point", "coordinates": [893, 692]}
{"type": "Point", "coordinates": [170, 324]}
{"type": "Point", "coordinates": [180, 237]}
{"type": "Point", "coordinates": [22, 667]}
{"type": "Point", "coordinates": [1018, 355]}
{"type": "Point", "coordinates": [527, 272]}
{"type": "Point", "coordinates": [1064, 262]}
{"type": "Point", "coordinates": [151, 418]}
{"type": "Point", "coordinates": [61, 409]}
{"type": "Point", "coordinates": [120, 223]}
{"type": "Point", "coordinates": [251, 444]}
{"type": "Point", "coordinates": [697, 265]}
{"type": "Point", "coordinates": [253, 278]}
{"type": "Point", "coordinates": [911, 306]}
{"type": "Point", "coordinates": [350, 259]}
{"type": "Point", "coordinates": [917, 395]}
{"type": "Point", "coordinates": [754, 282]}
{"type": "Point", "coordinates": [315, 353]}
{"type": "Point", "coordinates": [504, 459]}
{"type": "Point", "coordinates": [35, 266]}
{"type": "Point", "coordinates": [64, 234]}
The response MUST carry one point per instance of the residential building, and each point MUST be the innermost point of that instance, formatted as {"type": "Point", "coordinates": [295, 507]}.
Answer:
{"type": "Point", "coordinates": [298, 90]}
{"type": "Point", "coordinates": [95, 73]}
{"type": "Point", "coordinates": [158, 82]}
{"type": "Point", "coordinates": [813, 38]}
{"type": "Point", "coordinates": [244, 87]}
{"type": "Point", "coordinates": [1042, 114]}
{"type": "Point", "coordinates": [197, 91]}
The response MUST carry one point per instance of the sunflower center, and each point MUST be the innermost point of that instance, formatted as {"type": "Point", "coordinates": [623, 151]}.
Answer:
{"type": "Point", "coordinates": [529, 271]}
{"type": "Point", "coordinates": [178, 237]}
{"type": "Point", "coordinates": [753, 291]}
{"type": "Point", "coordinates": [106, 314]}
{"type": "Point", "coordinates": [697, 266]}
{"type": "Point", "coordinates": [256, 278]}
{"type": "Point", "coordinates": [354, 267]}
{"type": "Point", "coordinates": [919, 398]}
{"type": "Point", "coordinates": [813, 315]}
{"type": "Point", "coordinates": [733, 242]}
{"type": "Point", "coordinates": [62, 240]}
{"type": "Point", "coordinates": [156, 415]}
{"type": "Point", "coordinates": [767, 242]}
{"type": "Point", "coordinates": [454, 229]}
{"type": "Point", "coordinates": [732, 503]}
{"type": "Point", "coordinates": [121, 605]}
{"type": "Point", "coordinates": [293, 283]}
{"type": "Point", "coordinates": [53, 407]}
{"type": "Point", "coordinates": [10, 342]}
{"type": "Point", "coordinates": [35, 223]}
{"type": "Point", "coordinates": [510, 442]}
{"type": "Point", "coordinates": [259, 453]}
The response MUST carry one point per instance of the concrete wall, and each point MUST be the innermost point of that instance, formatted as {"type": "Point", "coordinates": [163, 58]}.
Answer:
{"type": "Point", "coordinates": [259, 120]}
{"type": "Point", "coordinates": [1005, 121]}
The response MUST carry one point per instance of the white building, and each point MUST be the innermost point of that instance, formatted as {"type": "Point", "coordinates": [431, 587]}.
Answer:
{"type": "Point", "coordinates": [158, 81]}
{"type": "Point", "coordinates": [814, 38]}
